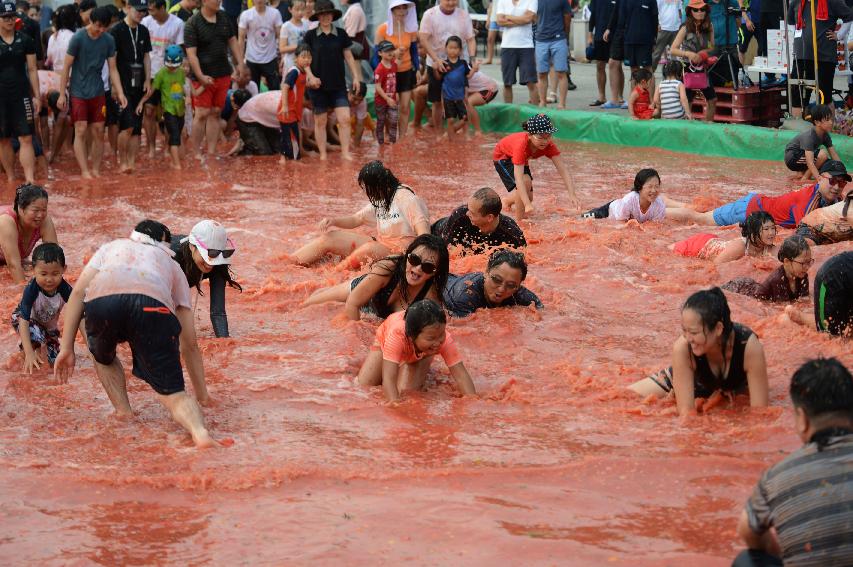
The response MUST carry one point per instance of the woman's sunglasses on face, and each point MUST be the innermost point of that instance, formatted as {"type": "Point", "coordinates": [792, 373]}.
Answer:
{"type": "Point", "coordinates": [214, 253]}
{"type": "Point", "coordinates": [415, 261]}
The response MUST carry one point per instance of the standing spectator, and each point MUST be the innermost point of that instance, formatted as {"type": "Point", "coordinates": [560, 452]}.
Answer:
{"type": "Point", "coordinates": [208, 36]}
{"type": "Point", "coordinates": [330, 48]}
{"type": "Point", "coordinates": [772, 12]}
{"type": "Point", "coordinates": [492, 37]}
{"type": "Point", "coordinates": [291, 34]}
{"type": "Point", "coordinates": [401, 29]}
{"type": "Point", "coordinates": [725, 18]}
{"type": "Point", "coordinates": [616, 38]}
{"type": "Point", "coordinates": [801, 511]}
{"type": "Point", "coordinates": [749, 28]}
{"type": "Point", "coordinates": [638, 20]}
{"type": "Point", "coordinates": [355, 23]}
{"type": "Point", "coordinates": [694, 39]}
{"type": "Point", "coordinates": [133, 61]}
{"type": "Point", "coordinates": [30, 27]}
{"type": "Point", "coordinates": [232, 9]}
{"type": "Point", "coordinates": [552, 48]}
{"type": "Point", "coordinates": [165, 29]}
{"type": "Point", "coordinates": [89, 49]}
{"type": "Point", "coordinates": [669, 21]}
{"type": "Point", "coordinates": [517, 52]}
{"type": "Point", "coordinates": [437, 25]}
{"type": "Point", "coordinates": [45, 15]}
{"type": "Point", "coordinates": [184, 9]}
{"type": "Point", "coordinates": [385, 101]}
{"type": "Point", "coordinates": [283, 7]}
{"type": "Point", "coordinates": [18, 82]}
{"type": "Point", "coordinates": [261, 27]}
{"type": "Point", "coordinates": [599, 17]}
{"type": "Point", "coordinates": [66, 22]}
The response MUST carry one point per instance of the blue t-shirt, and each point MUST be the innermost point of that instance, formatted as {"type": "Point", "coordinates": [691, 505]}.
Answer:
{"type": "Point", "coordinates": [719, 19]}
{"type": "Point", "coordinates": [549, 20]}
{"type": "Point", "coordinates": [455, 80]}
{"type": "Point", "coordinates": [463, 295]}
{"type": "Point", "coordinates": [89, 58]}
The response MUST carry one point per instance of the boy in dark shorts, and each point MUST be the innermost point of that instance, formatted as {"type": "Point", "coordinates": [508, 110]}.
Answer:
{"type": "Point", "coordinates": [453, 83]}
{"type": "Point", "coordinates": [803, 153]}
{"type": "Point", "coordinates": [169, 86]}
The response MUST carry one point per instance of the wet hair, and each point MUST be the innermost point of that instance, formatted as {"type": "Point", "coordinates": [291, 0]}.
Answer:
{"type": "Point", "coordinates": [751, 227]}
{"type": "Point", "coordinates": [421, 314]}
{"type": "Point", "coordinates": [792, 247]}
{"type": "Point", "coordinates": [819, 112]}
{"type": "Point", "coordinates": [240, 97]}
{"type": "Point", "coordinates": [49, 252]}
{"type": "Point", "coordinates": [454, 39]}
{"type": "Point", "coordinates": [379, 183]}
{"type": "Point", "coordinates": [86, 5]}
{"type": "Point", "coordinates": [847, 200]}
{"type": "Point", "coordinates": [673, 68]}
{"type": "Point", "coordinates": [26, 195]}
{"type": "Point", "coordinates": [490, 201]}
{"type": "Point", "coordinates": [510, 258]}
{"type": "Point", "coordinates": [157, 3]}
{"type": "Point", "coordinates": [821, 387]}
{"type": "Point", "coordinates": [302, 48]}
{"type": "Point", "coordinates": [712, 307]}
{"type": "Point", "coordinates": [442, 264]}
{"type": "Point", "coordinates": [184, 257]}
{"type": "Point", "coordinates": [101, 15]}
{"type": "Point", "coordinates": [66, 18]}
{"type": "Point", "coordinates": [156, 230]}
{"type": "Point", "coordinates": [642, 178]}
{"type": "Point", "coordinates": [641, 75]}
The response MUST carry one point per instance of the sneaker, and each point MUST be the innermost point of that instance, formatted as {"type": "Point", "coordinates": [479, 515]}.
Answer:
{"type": "Point", "coordinates": [610, 105]}
{"type": "Point", "coordinates": [572, 86]}
{"type": "Point", "coordinates": [624, 105]}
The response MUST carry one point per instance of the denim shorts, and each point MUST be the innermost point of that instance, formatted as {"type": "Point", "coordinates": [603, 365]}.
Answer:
{"type": "Point", "coordinates": [556, 52]}
{"type": "Point", "coordinates": [733, 213]}
{"type": "Point", "coordinates": [324, 101]}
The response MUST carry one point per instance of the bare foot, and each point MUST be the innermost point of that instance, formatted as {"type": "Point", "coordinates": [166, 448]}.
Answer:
{"type": "Point", "coordinates": [176, 166]}
{"type": "Point", "coordinates": [203, 440]}
{"type": "Point", "coordinates": [323, 156]}
{"type": "Point", "coordinates": [86, 175]}
{"type": "Point", "coordinates": [347, 156]}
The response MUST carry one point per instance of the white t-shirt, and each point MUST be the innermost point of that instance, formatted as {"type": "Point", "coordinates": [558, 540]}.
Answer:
{"type": "Point", "coordinates": [262, 109]}
{"type": "Point", "coordinates": [669, 15]}
{"type": "Point", "coordinates": [261, 45]}
{"type": "Point", "coordinates": [440, 26]}
{"type": "Point", "coordinates": [170, 32]}
{"type": "Point", "coordinates": [628, 207]}
{"type": "Point", "coordinates": [294, 34]}
{"type": "Point", "coordinates": [354, 20]}
{"type": "Point", "coordinates": [57, 49]}
{"type": "Point", "coordinates": [125, 266]}
{"type": "Point", "coordinates": [516, 36]}
{"type": "Point", "coordinates": [396, 228]}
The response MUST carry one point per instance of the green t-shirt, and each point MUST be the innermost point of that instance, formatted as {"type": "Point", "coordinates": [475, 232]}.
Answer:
{"type": "Point", "coordinates": [170, 84]}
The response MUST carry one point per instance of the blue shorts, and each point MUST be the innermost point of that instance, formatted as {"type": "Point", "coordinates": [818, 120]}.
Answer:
{"type": "Point", "coordinates": [556, 52]}
{"type": "Point", "coordinates": [493, 26]}
{"type": "Point", "coordinates": [733, 213]}
{"type": "Point", "coordinates": [324, 101]}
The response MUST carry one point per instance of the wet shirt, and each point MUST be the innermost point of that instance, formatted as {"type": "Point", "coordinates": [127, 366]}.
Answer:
{"type": "Point", "coordinates": [398, 348]}
{"type": "Point", "coordinates": [386, 77]}
{"type": "Point", "coordinates": [402, 40]}
{"type": "Point", "coordinates": [776, 287]}
{"type": "Point", "coordinates": [38, 306]}
{"type": "Point", "coordinates": [706, 382]}
{"type": "Point", "coordinates": [295, 81]}
{"type": "Point", "coordinates": [458, 230]}
{"type": "Point", "coordinates": [464, 294]}
{"type": "Point", "coordinates": [808, 499]}
{"type": "Point", "coordinates": [789, 209]}
{"type": "Point", "coordinates": [628, 207]}
{"type": "Point", "coordinates": [396, 227]}
{"type": "Point", "coordinates": [128, 267]}
{"type": "Point", "coordinates": [327, 57]}
{"type": "Point", "coordinates": [516, 148]}
{"type": "Point", "coordinates": [90, 55]}
{"type": "Point", "coordinates": [131, 46]}
{"type": "Point", "coordinates": [440, 26]}
{"type": "Point", "coordinates": [262, 109]}
{"type": "Point", "coordinates": [57, 47]}
{"type": "Point", "coordinates": [170, 84]}
{"type": "Point", "coordinates": [211, 43]}
{"type": "Point", "coordinates": [24, 248]}
{"type": "Point", "coordinates": [808, 141]}
{"type": "Point", "coordinates": [454, 81]}
{"type": "Point", "coordinates": [828, 224]}
{"type": "Point", "coordinates": [14, 82]}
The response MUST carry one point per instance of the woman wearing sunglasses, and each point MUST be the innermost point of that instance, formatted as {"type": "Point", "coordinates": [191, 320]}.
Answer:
{"type": "Point", "coordinates": [395, 282]}
{"type": "Point", "coordinates": [499, 286]}
{"type": "Point", "coordinates": [206, 253]}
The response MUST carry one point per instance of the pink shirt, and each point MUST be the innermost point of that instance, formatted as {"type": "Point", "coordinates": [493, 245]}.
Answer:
{"type": "Point", "coordinates": [396, 228]}
{"type": "Point", "coordinates": [125, 266]}
{"type": "Point", "coordinates": [398, 348]}
{"type": "Point", "coordinates": [24, 249]}
{"type": "Point", "coordinates": [439, 26]}
{"type": "Point", "coordinates": [354, 20]}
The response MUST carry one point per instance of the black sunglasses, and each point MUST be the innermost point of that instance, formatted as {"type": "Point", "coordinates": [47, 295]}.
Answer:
{"type": "Point", "coordinates": [214, 253]}
{"type": "Point", "coordinates": [415, 260]}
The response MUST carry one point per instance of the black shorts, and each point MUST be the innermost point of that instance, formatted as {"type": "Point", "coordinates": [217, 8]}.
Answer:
{"type": "Point", "coordinates": [600, 51]}
{"type": "Point", "coordinates": [324, 101]}
{"type": "Point", "coordinates": [152, 331]}
{"type": "Point", "coordinates": [796, 160]}
{"type": "Point", "coordinates": [745, 36]}
{"type": "Point", "coordinates": [174, 128]}
{"type": "Point", "coordinates": [433, 86]}
{"type": "Point", "coordinates": [289, 142]}
{"type": "Point", "coordinates": [601, 212]}
{"type": "Point", "coordinates": [113, 110]}
{"type": "Point", "coordinates": [617, 46]}
{"type": "Point", "coordinates": [129, 119]}
{"type": "Point", "coordinates": [16, 117]}
{"type": "Point", "coordinates": [455, 109]}
{"type": "Point", "coordinates": [154, 100]}
{"type": "Point", "coordinates": [522, 59]}
{"type": "Point", "coordinates": [258, 140]}
{"type": "Point", "coordinates": [506, 171]}
{"type": "Point", "coordinates": [406, 80]}
{"type": "Point", "coordinates": [638, 55]}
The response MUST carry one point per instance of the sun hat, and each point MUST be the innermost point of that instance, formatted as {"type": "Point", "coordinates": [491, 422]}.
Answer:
{"type": "Point", "coordinates": [212, 242]}
{"type": "Point", "coordinates": [411, 23]}
{"type": "Point", "coordinates": [174, 56]}
{"type": "Point", "coordinates": [540, 124]}
{"type": "Point", "coordinates": [325, 7]}
{"type": "Point", "coordinates": [697, 4]}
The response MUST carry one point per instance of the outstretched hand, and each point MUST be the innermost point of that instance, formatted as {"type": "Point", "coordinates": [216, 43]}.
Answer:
{"type": "Point", "coordinates": [63, 367]}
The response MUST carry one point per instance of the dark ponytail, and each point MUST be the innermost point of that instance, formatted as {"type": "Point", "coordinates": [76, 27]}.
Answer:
{"type": "Point", "coordinates": [26, 194]}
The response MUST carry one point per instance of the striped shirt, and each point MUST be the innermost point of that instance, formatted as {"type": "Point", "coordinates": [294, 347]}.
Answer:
{"type": "Point", "coordinates": [670, 99]}
{"type": "Point", "coordinates": [808, 498]}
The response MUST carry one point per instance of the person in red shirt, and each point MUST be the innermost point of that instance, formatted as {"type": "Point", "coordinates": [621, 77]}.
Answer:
{"type": "Point", "coordinates": [290, 107]}
{"type": "Point", "coordinates": [512, 157]}
{"type": "Point", "coordinates": [385, 101]}
{"type": "Point", "coordinates": [787, 210]}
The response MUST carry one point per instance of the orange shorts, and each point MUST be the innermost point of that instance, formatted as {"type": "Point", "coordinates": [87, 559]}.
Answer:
{"type": "Point", "coordinates": [213, 96]}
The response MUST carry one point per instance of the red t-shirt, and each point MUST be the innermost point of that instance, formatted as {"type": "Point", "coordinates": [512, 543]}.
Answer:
{"type": "Point", "coordinates": [295, 80]}
{"type": "Point", "coordinates": [386, 77]}
{"type": "Point", "coordinates": [788, 209]}
{"type": "Point", "coordinates": [516, 148]}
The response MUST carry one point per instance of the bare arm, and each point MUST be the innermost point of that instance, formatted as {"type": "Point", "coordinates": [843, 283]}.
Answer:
{"type": "Point", "coordinates": [463, 380]}
{"type": "Point", "coordinates": [241, 39]}
{"type": "Point", "coordinates": [438, 64]}
{"type": "Point", "coordinates": [756, 373]}
{"type": "Point", "coordinates": [832, 153]}
{"type": "Point", "coordinates": [683, 378]}
{"type": "Point", "coordinates": [116, 82]}
{"type": "Point", "coordinates": [767, 541]}
{"type": "Point", "coordinates": [192, 56]}
{"type": "Point", "coordinates": [363, 292]}
{"type": "Point", "coordinates": [63, 367]}
{"type": "Point", "coordinates": [237, 54]}
{"type": "Point", "coordinates": [63, 81]}
{"type": "Point", "coordinates": [354, 69]}
{"type": "Point", "coordinates": [32, 359]}
{"type": "Point", "coordinates": [48, 231]}
{"type": "Point", "coordinates": [685, 103]}
{"type": "Point", "coordinates": [567, 181]}
{"type": "Point", "coordinates": [9, 245]}
{"type": "Point", "coordinates": [33, 74]}
{"type": "Point", "coordinates": [509, 21]}
{"type": "Point", "coordinates": [389, 380]}
{"type": "Point", "coordinates": [348, 222]}
{"type": "Point", "coordinates": [191, 353]}
{"type": "Point", "coordinates": [676, 44]}
{"type": "Point", "coordinates": [810, 164]}
{"type": "Point", "coordinates": [734, 250]}
{"type": "Point", "coordinates": [422, 228]}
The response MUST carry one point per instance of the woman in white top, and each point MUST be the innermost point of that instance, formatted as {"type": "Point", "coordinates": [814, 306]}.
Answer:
{"type": "Point", "coordinates": [398, 214]}
{"type": "Point", "coordinates": [644, 203]}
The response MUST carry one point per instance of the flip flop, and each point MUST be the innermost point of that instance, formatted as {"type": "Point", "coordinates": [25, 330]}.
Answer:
{"type": "Point", "coordinates": [596, 103]}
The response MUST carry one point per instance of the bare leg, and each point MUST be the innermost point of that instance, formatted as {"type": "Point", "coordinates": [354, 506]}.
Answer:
{"type": "Point", "coordinates": [689, 215]}
{"type": "Point", "coordinates": [472, 102]}
{"type": "Point", "coordinates": [149, 124]}
{"type": "Point", "coordinates": [617, 80]}
{"type": "Point", "coordinates": [601, 78]}
{"type": "Point", "coordinates": [213, 129]}
{"type": "Point", "coordinates": [562, 90]}
{"type": "Point", "coordinates": [403, 119]}
{"type": "Point", "coordinates": [508, 94]}
{"type": "Point", "coordinates": [490, 46]}
{"type": "Point", "coordinates": [370, 373]}
{"type": "Point", "coordinates": [340, 242]}
{"type": "Point", "coordinates": [132, 150]}
{"type": "Point", "coordinates": [175, 152]}
{"type": "Point", "coordinates": [413, 376]}
{"type": "Point", "coordinates": [533, 93]}
{"type": "Point", "coordinates": [369, 251]}
{"type": "Point", "coordinates": [81, 150]}
{"type": "Point", "coordinates": [28, 158]}
{"type": "Point", "coordinates": [96, 130]}
{"type": "Point", "coordinates": [320, 121]}
{"type": "Point", "coordinates": [112, 379]}
{"type": "Point", "coordinates": [123, 145]}
{"type": "Point", "coordinates": [112, 134]}
{"type": "Point", "coordinates": [542, 87]}
{"type": "Point", "coordinates": [647, 387]}
{"type": "Point", "coordinates": [420, 97]}
{"type": "Point", "coordinates": [199, 121]}
{"type": "Point", "coordinates": [337, 293]}
{"type": "Point", "coordinates": [60, 134]}
{"type": "Point", "coordinates": [344, 130]}
{"type": "Point", "coordinates": [7, 157]}
{"type": "Point", "coordinates": [710, 110]}
{"type": "Point", "coordinates": [187, 413]}
{"type": "Point", "coordinates": [552, 80]}
{"type": "Point", "coordinates": [437, 116]}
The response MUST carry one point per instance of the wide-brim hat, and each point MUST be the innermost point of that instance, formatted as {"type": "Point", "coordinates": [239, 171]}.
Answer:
{"type": "Point", "coordinates": [411, 23]}
{"type": "Point", "coordinates": [325, 7]}
{"type": "Point", "coordinates": [697, 4]}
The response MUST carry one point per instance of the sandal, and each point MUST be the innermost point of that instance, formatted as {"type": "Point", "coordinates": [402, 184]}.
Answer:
{"type": "Point", "coordinates": [551, 98]}
{"type": "Point", "coordinates": [596, 103]}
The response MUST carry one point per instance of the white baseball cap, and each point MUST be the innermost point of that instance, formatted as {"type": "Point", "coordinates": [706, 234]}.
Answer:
{"type": "Point", "coordinates": [212, 242]}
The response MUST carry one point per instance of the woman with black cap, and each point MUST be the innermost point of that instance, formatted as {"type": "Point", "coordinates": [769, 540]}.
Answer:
{"type": "Point", "coordinates": [512, 157]}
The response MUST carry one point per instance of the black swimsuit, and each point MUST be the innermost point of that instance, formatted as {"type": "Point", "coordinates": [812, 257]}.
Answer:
{"type": "Point", "coordinates": [378, 304]}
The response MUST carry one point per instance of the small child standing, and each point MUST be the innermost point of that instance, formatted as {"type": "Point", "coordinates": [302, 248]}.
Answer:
{"type": "Point", "coordinates": [671, 96]}
{"type": "Point", "coordinates": [169, 82]}
{"type": "Point", "coordinates": [292, 33]}
{"type": "Point", "coordinates": [37, 316]}
{"type": "Point", "coordinates": [385, 101]}
{"type": "Point", "coordinates": [290, 106]}
{"type": "Point", "coordinates": [453, 83]}
{"type": "Point", "coordinates": [639, 103]}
